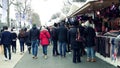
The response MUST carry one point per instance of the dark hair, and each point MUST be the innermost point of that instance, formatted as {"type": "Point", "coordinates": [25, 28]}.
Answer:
{"type": "Point", "coordinates": [5, 27]}
{"type": "Point", "coordinates": [22, 33]}
{"type": "Point", "coordinates": [55, 24]}
{"type": "Point", "coordinates": [25, 29]}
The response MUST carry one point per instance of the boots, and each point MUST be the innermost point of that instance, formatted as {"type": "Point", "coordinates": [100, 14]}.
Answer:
{"type": "Point", "coordinates": [91, 60]}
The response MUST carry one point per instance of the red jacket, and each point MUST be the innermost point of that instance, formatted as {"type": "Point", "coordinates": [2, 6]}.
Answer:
{"type": "Point", "coordinates": [44, 37]}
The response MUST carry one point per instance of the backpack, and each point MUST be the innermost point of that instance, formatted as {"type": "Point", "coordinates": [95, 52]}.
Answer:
{"type": "Point", "coordinates": [22, 33]}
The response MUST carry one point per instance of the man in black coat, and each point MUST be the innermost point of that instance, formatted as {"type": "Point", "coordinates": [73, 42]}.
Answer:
{"type": "Point", "coordinates": [62, 39]}
{"type": "Point", "coordinates": [34, 38]}
{"type": "Point", "coordinates": [6, 40]}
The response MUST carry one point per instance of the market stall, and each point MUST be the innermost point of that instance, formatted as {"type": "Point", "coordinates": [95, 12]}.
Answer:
{"type": "Point", "coordinates": [106, 15]}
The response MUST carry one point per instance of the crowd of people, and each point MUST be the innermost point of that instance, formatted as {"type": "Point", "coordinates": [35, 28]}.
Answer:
{"type": "Point", "coordinates": [62, 36]}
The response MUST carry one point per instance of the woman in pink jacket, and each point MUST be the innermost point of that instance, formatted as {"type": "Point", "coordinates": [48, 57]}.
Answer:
{"type": "Point", "coordinates": [44, 40]}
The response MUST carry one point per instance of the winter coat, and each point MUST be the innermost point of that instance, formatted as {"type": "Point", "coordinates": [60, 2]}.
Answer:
{"type": "Point", "coordinates": [34, 34]}
{"type": "Point", "coordinates": [6, 38]}
{"type": "Point", "coordinates": [90, 36]}
{"type": "Point", "coordinates": [62, 34]}
{"type": "Point", "coordinates": [14, 36]}
{"type": "Point", "coordinates": [72, 38]}
{"type": "Point", "coordinates": [27, 40]}
{"type": "Point", "coordinates": [54, 34]}
{"type": "Point", "coordinates": [21, 36]}
{"type": "Point", "coordinates": [44, 37]}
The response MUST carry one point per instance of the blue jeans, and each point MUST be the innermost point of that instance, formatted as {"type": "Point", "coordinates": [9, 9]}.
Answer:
{"type": "Point", "coordinates": [45, 49]}
{"type": "Point", "coordinates": [62, 48]}
{"type": "Point", "coordinates": [7, 51]}
{"type": "Point", "coordinates": [90, 52]}
{"type": "Point", "coordinates": [22, 46]}
{"type": "Point", "coordinates": [34, 45]}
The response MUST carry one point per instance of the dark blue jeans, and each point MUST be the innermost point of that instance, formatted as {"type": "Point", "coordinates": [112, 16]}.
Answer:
{"type": "Point", "coordinates": [45, 49]}
{"type": "Point", "coordinates": [14, 46]}
{"type": "Point", "coordinates": [62, 47]}
{"type": "Point", "coordinates": [7, 51]}
{"type": "Point", "coordinates": [55, 48]}
{"type": "Point", "coordinates": [22, 46]}
{"type": "Point", "coordinates": [34, 45]}
{"type": "Point", "coordinates": [76, 55]}
{"type": "Point", "coordinates": [90, 52]}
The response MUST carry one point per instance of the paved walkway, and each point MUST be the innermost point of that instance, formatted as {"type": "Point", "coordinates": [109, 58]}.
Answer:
{"type": "Point", "coordinates": [14, 59]}
{"type": "Point", "coordinates": [57, 62]}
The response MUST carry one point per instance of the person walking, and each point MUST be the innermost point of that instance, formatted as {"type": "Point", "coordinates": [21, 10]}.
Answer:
{"type": "Point", "coordinates": [27, 40]}
{"type": "Point", "coordinates": [62, 39]}
{"type": "Point", "coordinates": [44, 40]}
{"type": "Point", "coordinates": [6, 40]}
{"type": "Point", "coordinates": [21, 37]}
{"type": "Point", "coordinates": [34, 38]}
{"type": "Point", "coordinates": [14, 39]}
{"type": "Point", "coordinates": [54, 36]}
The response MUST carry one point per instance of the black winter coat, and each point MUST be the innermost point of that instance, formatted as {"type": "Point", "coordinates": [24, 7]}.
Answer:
{"type": "Point", "coordinates": [54, 34]}
{"type": "Point", "coordinates": [34, 34]}
{"type": "Point", "coordinates": [62, 34]}
{"type": "Point", "coordinates": [27, 40]}
{"type": "Point", "coordinates": [90, 36]}
{"type": "Point", "coordinates": [72, 38]}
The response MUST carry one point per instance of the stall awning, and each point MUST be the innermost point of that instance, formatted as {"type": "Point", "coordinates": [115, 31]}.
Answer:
{"type": "Point", "coordinates": [73, 8]}
{"type": "Point", "coordinates": [94, 5]}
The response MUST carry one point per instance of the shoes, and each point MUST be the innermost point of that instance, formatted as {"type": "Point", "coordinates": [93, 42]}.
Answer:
{"type": "Point", "coordinates": [93, 60]}
{"type": "Point", "coordinates": [58, 54]}
{"type": "Point", "coordinates": [69, 52]}
{"type": "Point", "coordinates": [6, 59]}
{"type": "Point", "coordinates": [35, 57]}
{"type": "Point", "coordinates": [74, 62]}
{"type": "Point", "coordinates": [88, 59]}
{"type": "Point", "coordinates": [45, 57]}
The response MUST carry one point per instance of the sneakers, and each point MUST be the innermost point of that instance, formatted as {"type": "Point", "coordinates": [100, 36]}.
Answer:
{"type": "Point", "coordinates": [34, 57]}
{"type": "Point", "coordinates": [45, 57]}
{"type": "Point", "coordinates": [88, 59]}
{"type": "Point", "coordinates": [6, 59]}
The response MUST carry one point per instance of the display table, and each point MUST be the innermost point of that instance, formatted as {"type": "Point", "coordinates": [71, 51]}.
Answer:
{"type": "Point", "coordinates": [107, 49]}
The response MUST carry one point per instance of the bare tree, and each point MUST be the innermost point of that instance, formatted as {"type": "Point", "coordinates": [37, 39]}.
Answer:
{"type": "Point", "coordinates": [23, 8]}
{"type": "Point", "coordinates": [36, 19]}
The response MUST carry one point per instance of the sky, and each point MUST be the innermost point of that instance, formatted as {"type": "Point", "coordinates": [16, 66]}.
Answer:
{"type": "Point", "coordinates": [45, 8]}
